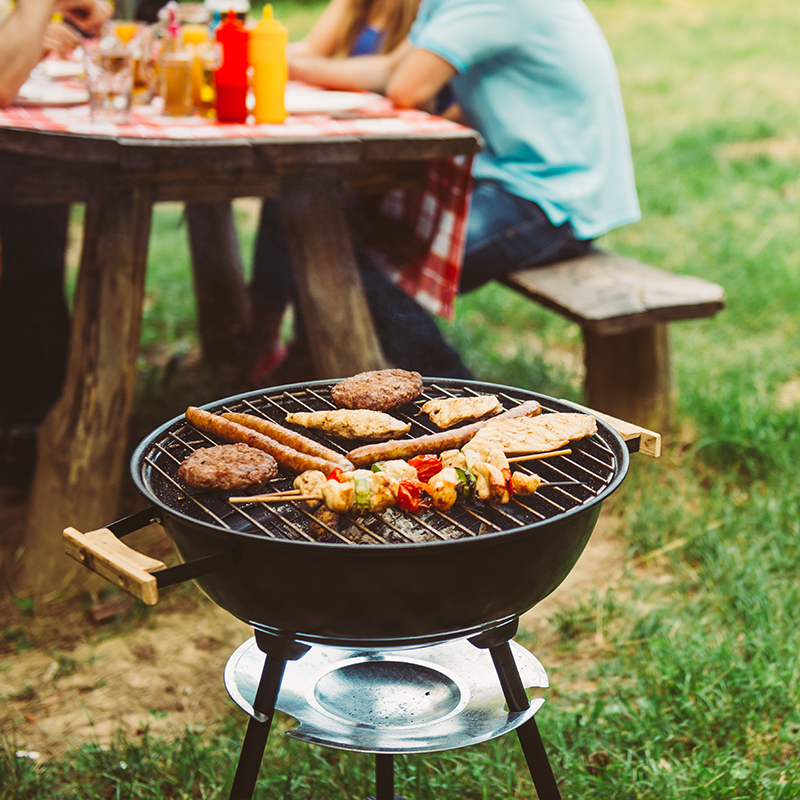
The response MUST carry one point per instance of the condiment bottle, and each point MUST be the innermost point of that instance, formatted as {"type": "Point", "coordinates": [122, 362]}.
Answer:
{"type": "Point", "coordinates": [195, 38]}
{"type": "Point", "coordinates": [267, 52]}
{"type": "Point", "coordinates": [231, 77]}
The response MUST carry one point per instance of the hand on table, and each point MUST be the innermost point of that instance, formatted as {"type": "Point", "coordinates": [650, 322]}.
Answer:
{"type": "Point", "coordinates": [60, 39]}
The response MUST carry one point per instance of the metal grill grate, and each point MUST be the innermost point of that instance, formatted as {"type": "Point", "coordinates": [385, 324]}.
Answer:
{"type": "Point", "coordinates": [592, 466]}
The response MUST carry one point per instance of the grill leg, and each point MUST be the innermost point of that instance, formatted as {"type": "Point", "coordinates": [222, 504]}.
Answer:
{"type": "Point", "coordinates": [384, 778]}
{"type": "Point", "coordinates": [278, 653]}
{"type": "Point", "coordinates": [528, 733]}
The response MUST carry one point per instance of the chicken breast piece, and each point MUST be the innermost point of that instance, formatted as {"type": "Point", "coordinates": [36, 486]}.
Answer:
{"type": "Point", "coordinates": [442, 489]}
{"type": "Point", "coordinates": [448, 411]}
{"type": "Point", "coordinates": [352, 423]}
{"type": "Point", "coordinates": [535, 434]}
{"type": "Point", "coordinates": [310, 484]}
{"type": "Point", "coordinates": [524, 484]}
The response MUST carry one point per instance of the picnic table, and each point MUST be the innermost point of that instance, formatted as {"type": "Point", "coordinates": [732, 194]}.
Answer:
{"type": "Point", "coordinates": [56, 155]}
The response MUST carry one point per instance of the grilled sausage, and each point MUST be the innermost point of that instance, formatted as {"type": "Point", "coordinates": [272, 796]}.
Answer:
{"type": "Point", "coordinates": [290, 438]}
{"type": "Point", "coordinates": [452, 439]}
{"type": "Point", "coordinates": [287, 457]}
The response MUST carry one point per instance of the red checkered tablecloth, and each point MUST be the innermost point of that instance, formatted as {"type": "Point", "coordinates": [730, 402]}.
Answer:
{"type": "Point", "coordinates": [433, 217]}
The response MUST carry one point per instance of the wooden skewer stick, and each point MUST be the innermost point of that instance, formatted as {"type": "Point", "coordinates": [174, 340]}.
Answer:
{"type": "Point", "coordinates": [535, 456]}
{"type": "Point", "coordinates": [273, 498]}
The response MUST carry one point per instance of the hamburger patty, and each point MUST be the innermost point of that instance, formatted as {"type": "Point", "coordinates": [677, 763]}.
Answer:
{"type": "Point", "coordinates": [228, 467]}
{"type": "Point", "coordinates": [380, 390]}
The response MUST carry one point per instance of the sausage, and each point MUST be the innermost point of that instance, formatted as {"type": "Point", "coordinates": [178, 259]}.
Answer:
{"type": "Point", "coordinates": [287, 457]}
{"type": "Point", "coordinates": [451, 439]}
{"type": "Point", "coordinates": [290, 438]}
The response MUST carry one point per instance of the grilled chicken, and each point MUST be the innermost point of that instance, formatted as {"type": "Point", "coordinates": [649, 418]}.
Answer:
{"type": "Point", "coordinates": [522, 483]}
{"type": "Point", "coordinates": [448, 411]}
{"type": "Point", "coordinates": [453, 458]}
{"type": "Point", "coordinates": [535, 434]}
{"type": "Point", "coordinates": [337, 496]}
{"type": "Point", "coordinates": [310, 484]}
{"type": "Point", "coordinates": [352, 424]}
{"type": "Point", "coordinates": [442, 488]}
{"type": "Point", "coordinates": [399, 469]}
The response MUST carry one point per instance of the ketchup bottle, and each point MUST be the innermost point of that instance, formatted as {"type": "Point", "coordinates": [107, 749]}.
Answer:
{"type": "Point", "coordinates": [231, 77]}
{"type": "Point", "coordinates": [267, 53]}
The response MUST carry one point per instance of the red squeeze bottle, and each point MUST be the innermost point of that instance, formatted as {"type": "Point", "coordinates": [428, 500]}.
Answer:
{"type": "Point", "coordinates": [231, 77]}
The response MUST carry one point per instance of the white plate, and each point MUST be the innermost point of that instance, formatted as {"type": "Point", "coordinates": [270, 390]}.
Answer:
{"type": "Point", "coordinates": [45, 94]}
{"type": "Point", "coordinates": [319, 101]}
{"type": "Point", "coordinates": [55, 68]}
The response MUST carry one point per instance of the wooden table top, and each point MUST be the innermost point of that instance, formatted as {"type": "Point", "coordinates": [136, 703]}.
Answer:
{"type": "Point", "coordinates": [154, 143]}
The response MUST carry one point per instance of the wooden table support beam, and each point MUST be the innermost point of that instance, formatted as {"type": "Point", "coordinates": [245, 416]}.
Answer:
{"type": "Point", "coordinates": [329, 287]}
{"type": "Point", "coordinates": [86, 433]}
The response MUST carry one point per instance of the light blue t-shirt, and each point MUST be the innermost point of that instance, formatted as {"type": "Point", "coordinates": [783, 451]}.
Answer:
{"type": "Point", "coordinates": [537, 79]}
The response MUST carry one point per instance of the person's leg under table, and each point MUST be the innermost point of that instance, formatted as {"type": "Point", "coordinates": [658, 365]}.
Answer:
{"type": "Point", "coordinates": [504, 233]}
{"type": "Point", "coordinates": [34, 329]}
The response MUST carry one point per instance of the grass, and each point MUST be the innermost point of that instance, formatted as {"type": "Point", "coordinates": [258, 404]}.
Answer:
{"type": "Point", "coordinates": [695, 690]}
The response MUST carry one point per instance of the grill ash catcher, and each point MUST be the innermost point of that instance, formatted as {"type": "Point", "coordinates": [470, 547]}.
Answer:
{"type": "Point", "coordinates": [395, 634]}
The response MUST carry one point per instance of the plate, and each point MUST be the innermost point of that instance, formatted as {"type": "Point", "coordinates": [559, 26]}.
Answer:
{"type": "Point", "coordinates": [44, 94]}
{"type": "Point", "coordinates": [56, 68]}
{"type": "Point", "coordinates": [319, 101]}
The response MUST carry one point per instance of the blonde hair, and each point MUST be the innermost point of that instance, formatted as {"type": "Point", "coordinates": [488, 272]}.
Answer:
{"type": "Point", "coordinates": [399, 17]}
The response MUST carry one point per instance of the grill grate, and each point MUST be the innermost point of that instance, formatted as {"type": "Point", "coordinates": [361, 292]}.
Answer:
{"type": "Point", "coordinates": [592, 465]}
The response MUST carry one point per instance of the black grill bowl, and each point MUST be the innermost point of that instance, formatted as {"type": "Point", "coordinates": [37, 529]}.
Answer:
{"type": "Point", "coordinates": [377, 595]}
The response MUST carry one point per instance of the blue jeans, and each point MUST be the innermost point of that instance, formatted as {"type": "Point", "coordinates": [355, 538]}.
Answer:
{"type": "Point", "coordinates": [504, 233]}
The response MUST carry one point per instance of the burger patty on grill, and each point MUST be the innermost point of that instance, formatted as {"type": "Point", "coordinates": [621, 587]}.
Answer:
{"type": "Point", "coordinates": [228, 467]}
{"type": "Point", "coordinates": [379, 390]}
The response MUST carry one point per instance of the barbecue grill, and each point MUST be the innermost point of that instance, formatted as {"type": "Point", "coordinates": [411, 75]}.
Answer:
{"type": "Point", "coordinates": [371, 590]}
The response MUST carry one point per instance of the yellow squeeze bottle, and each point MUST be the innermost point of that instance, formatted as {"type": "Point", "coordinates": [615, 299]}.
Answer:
{"type": "Point", "coordinates": [267, 55]}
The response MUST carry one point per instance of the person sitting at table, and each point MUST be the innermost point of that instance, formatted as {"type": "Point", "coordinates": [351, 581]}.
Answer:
{"type": "Point", "coordinates": [347, 29]}
{"type": "Point", "coordinates": [538, 81]}
{"type": "Point", "coordinates": [34, 320]}
{"type": "Point", "coordinates": [28, 34]}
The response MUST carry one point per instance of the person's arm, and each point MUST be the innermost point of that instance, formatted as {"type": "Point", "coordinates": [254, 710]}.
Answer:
{"type": "Point", "coordinates": [364, 73]}
{"type": "Point", "coordinates": [323, 39]}
{"type": "Point", "coordinates": [417, 78]}
{"type": "Point", "coordinates": [60, 39]}
{"type": "Point", "coordinates": [88, 15]}
{"type": "Point", "coordinates": [21, 38]}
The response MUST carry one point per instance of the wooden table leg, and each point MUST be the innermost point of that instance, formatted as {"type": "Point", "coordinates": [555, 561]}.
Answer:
{"type": "Point", "coordinates": [224, 317]}
{"type": "Point", "coordinates": [341, 335]}
{"type": "Point", "coordinates": [83, 441]}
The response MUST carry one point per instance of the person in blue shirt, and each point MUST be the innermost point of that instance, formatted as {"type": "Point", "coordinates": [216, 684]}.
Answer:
{"type": "Point", "coordinates": [537, 79]}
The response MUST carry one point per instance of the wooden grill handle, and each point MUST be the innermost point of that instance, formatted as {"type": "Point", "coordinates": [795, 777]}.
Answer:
{"type": "Point", "coordinates": [102, 552]}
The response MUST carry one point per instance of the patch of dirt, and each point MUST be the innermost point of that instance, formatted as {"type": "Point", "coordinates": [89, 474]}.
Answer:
{"type": "Point", "coordinates": [89, 667]}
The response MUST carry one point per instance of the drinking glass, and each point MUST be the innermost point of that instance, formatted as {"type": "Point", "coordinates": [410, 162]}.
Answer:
{"type": "Point", "coordinates": [109, 79]}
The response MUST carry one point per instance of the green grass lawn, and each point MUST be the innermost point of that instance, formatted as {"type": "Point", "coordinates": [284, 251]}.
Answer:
{"type": "Point", "coordinates": [696, 692]}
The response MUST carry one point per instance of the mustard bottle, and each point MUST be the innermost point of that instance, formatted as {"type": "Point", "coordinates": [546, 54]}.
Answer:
{"type": "Point", "coordinates": [195, 38]}
{"type": "Point", "coordinates": [267, 55]}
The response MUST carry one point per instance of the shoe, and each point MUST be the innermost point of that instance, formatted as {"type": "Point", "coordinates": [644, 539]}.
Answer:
{"type": "Point", "coordinates": [294, 367]}
{"type": "Point", "coordinates": [18, 455]}
{"type": "Point", "coordinates": [269, 360]}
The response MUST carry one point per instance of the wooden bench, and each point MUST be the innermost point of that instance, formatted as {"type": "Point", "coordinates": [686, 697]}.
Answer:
{"type": "Point", "coordinates": [623, 307]}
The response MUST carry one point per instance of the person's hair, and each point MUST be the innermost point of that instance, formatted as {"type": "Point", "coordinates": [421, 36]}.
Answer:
{"type": "Point", "coordinates": [399, 19]}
